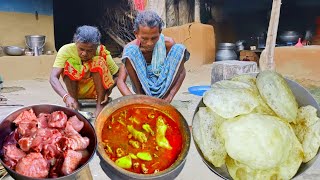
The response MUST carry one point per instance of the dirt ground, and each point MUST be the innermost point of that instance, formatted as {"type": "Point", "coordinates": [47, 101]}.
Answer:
{"type": "Point", "coordinates": [39, 91]}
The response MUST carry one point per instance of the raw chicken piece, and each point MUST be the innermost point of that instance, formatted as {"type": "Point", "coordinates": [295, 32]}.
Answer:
{"type": "Point", "coordinates": [51, 152]}
{"type": "Point", "coordinates": [33, 165]}
{"type": "Point", "coordinates": [27, 127]}
{"type": "Point", "coordinates": [43, 120]}
{"type": "Point", "coordinates": [58, 119]}
{"type": "Point", "coordinates": [73, 140]}
{"type": "Point", "coordinates": [12, 155]}
{"type": "Point", "coordinates": [27, 123]}
{"type": "Point", "coordinates": [76, 123]}
{"type": "Point", "coordinates": [71, 161]}
{"type": "Point", "coordinates": [25, 115]}
{"type": "Point", "coordinates": [45, 136]}
{"type": "Point", "coordinates": [25, 143]}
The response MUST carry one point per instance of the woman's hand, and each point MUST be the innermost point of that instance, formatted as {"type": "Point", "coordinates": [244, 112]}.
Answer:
{"type": "Point", "coordinates": [72, 103]}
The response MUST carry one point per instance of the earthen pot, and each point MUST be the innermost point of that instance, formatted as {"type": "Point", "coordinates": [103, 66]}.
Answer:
{"type": "Point", "coordinates": [115, 172]}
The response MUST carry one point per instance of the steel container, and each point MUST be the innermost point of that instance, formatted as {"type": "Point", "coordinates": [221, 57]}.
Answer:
{"type": "Point", "coordinates": [7, 126]}
{"type": "Point", "coordinates": [303, 98]}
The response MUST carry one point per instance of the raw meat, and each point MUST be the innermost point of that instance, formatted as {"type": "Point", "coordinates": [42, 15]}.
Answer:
{"type": "Point", "coordinates": [12, 155]}
{"type": "Point", "coordinates": [76, 123]}
{"type": "Point", "coordinates": [45, 146]}
{"type": "Point", "coordinates": [33, 165]}
{"type": "Point", "coordinates": [58, 119]}
{"type": "Point", "coordinates": [71, 161]}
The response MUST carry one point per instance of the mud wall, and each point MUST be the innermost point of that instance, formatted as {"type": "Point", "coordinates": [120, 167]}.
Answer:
{"type": "Point", "coordinates": [199, 40]}
{"type": "Point", "coordinates": [299, 63]}
{"type": "Point", "coordinates": [26, 67]}
{"type": "Point", "coordinates": [20, 18]}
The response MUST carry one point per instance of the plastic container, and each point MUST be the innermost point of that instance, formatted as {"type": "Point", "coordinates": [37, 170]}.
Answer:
{"type": "Point", "coordinates": [198, 90]}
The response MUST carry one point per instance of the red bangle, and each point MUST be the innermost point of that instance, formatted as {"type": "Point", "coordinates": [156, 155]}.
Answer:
{"type": "Point", "coordinates": [64, 98]}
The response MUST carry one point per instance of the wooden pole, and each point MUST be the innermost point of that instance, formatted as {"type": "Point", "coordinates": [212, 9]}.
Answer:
{"type": "Point", "coordinates": [171, 16]}
{"type": "Point", "coordinates": [197, 11]}
{"type": "Point", "coordinates": [266, 61]}
{"type": "Point", "coordinates": [159, 6]}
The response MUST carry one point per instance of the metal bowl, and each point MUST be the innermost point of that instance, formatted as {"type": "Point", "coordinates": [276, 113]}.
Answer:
{"type": "Point", "coordinates": [110, 168]}
{"type": "Point", "coordinates": [13, 50]}
{"type": "Point", "coordinates": [303, 98]}
{"type": "Point", "coordinates": [7, 126]}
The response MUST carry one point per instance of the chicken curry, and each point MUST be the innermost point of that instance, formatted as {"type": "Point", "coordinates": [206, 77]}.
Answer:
{"type": "Point", "coordinates": [142, 139]}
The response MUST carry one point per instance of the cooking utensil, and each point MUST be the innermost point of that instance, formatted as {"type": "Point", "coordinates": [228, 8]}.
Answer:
{"type": "Point", "coordinates": [142, 100]}
{"type": "Point", "coordinates": [7, 126]}
{"type": "Point", "coordinates": [35, 43]}
{"type": "Point", "coordinates": [29, 53]}
{"type": "Point", "coordinates": [240, 45]}
{"type": "Point", "coordinates": [226, 51]}
{"type": "Point", "coordinates": [289, 36]}
{"type": "Point", "coordinates": [36, 51]}
{"type": "Point", "coordinates": [87, 115]}
{"type": "Point", "coordinates": [13, 50]}
{"type": "Point", "coordinates": [303, 98]}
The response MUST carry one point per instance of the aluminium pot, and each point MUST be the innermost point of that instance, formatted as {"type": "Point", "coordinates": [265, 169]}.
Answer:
{"type": "Point", "coordinates": [226, 51]}
{"type": "Point", "coordinates": [33, 41]}
{"type": "Point", "coordinates": [115, 172]}
{"type": "Point", "coordinates": [7, 126]}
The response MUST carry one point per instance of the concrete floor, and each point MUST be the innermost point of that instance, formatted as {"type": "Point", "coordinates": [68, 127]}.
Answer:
{"type": "Point", "coordinates": [39, 91]}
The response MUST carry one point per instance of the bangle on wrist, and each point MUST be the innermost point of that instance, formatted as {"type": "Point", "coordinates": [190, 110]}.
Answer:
{"type": "Point", "coordinates": [64, 98]}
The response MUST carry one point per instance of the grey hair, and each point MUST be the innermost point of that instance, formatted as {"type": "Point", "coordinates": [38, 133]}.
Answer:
{"type": "Point", "coordinates": [148, 18]}
{"type": "Point", "coordinates": [87, 34]}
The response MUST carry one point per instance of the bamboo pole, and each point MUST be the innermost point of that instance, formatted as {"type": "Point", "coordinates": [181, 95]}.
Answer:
{"type": "Point", "coordinates": [266, 61]}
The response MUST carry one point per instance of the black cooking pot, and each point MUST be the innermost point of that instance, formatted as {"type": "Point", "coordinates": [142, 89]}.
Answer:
{"type": "Point", "coordinates": [289, 36]}
{"type": "Point", "coordinates": [7, 126]}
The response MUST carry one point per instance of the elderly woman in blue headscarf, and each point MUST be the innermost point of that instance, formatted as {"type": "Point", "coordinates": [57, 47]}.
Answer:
{"type": "Point", "coordinates": [87, 69]}
{"type": "Point", "coordinates": [154, 62]}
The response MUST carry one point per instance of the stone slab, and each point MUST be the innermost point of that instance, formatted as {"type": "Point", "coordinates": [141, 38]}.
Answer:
{"type": "Point", "coordinates": [227, 69]}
